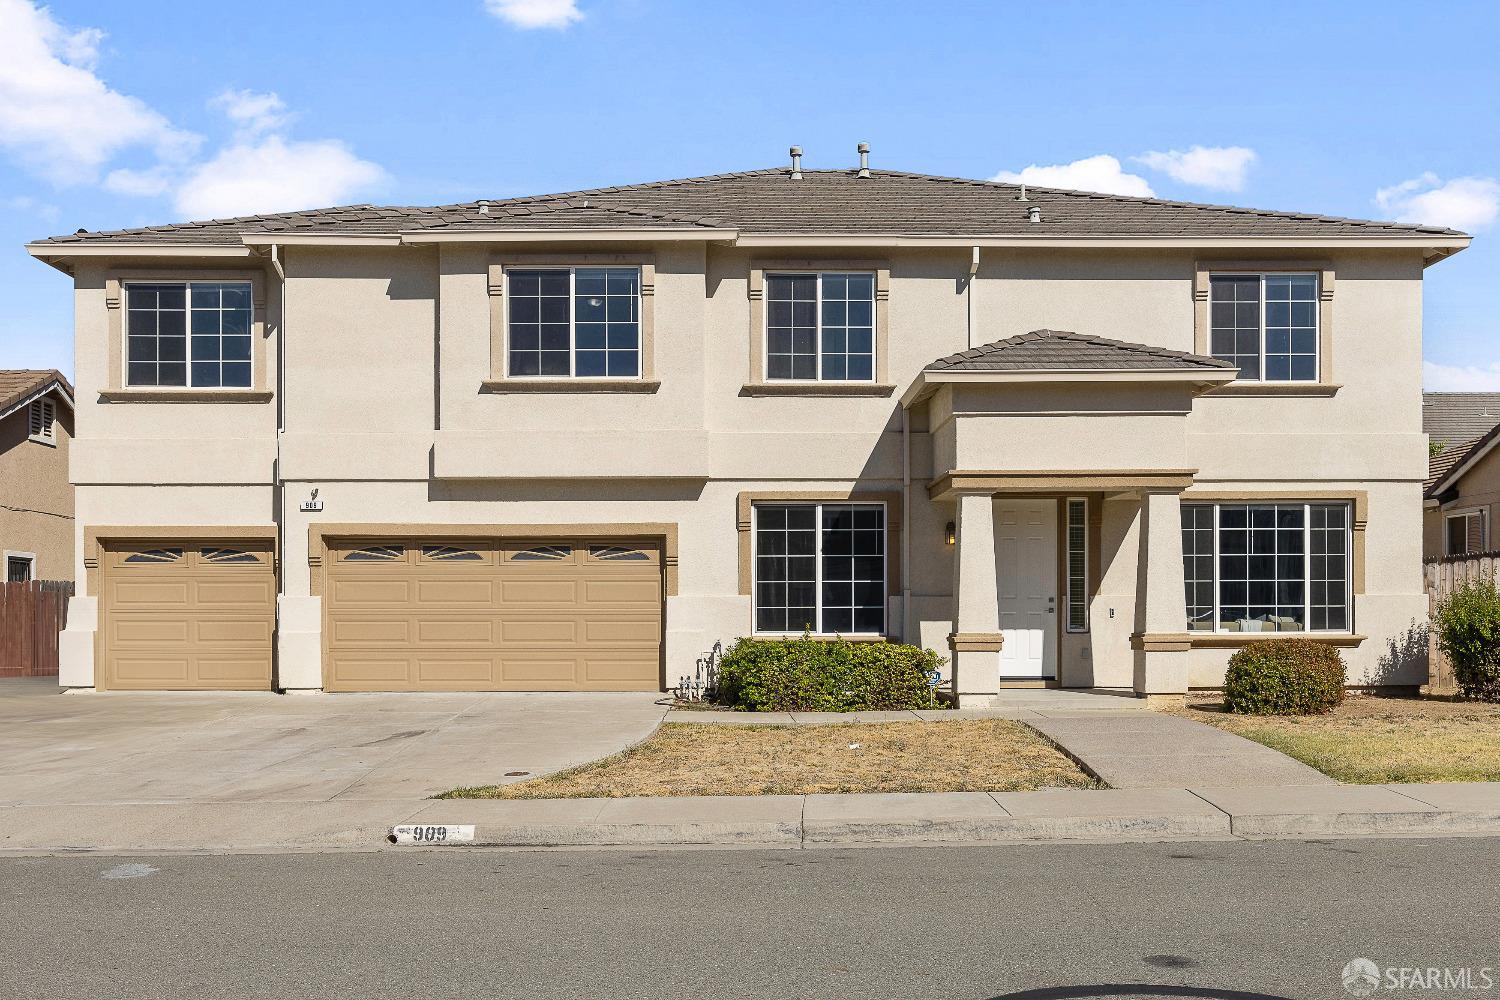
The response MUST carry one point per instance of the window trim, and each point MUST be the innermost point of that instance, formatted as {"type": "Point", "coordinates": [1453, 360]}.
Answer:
{"type": "Point", "coordinates": [29, 558]}
{"type": "Point", "coordinates": [500, 379]}
{"type": "Point", "coordinates": [1353, 560]}
{"type": "Point", "coordinates": [818, 505]}
{"type": "Point", "coordinates": [1483, 512]}
{"type": "Point", "coordinates": [118, 391]}
{"type": "Point", "coordinates": [1068, 595]}
{"type": "Point", "coordinates": [1205, 268]}
{"type": "Point", "coordinates": [48, 408]}
{"type": "Point", "coordinates": [758, 385]}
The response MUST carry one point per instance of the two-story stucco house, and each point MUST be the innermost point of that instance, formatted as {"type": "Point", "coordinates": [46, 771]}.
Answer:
{"type": "Point", "coordinates": [572, 442]}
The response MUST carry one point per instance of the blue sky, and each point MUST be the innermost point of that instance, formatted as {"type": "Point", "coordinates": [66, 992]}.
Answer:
{"type": "Point", "coordinates": [116, 114]}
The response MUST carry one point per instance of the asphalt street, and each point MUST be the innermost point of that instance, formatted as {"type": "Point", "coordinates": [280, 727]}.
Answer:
{"type": "Point", "coordinates": [1213, 919]}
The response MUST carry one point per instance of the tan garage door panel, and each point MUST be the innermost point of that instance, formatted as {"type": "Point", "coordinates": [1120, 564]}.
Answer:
{"type": "Point", "coordinates": [190, 616]}
{"type": "Point", "coordinates": [408, 614]}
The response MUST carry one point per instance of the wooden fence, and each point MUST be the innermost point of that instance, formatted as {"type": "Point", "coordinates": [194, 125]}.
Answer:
{"type": "Point", "coordinates": [31, 615]}
{"type": "Point", "coordinates": [1443, 576]}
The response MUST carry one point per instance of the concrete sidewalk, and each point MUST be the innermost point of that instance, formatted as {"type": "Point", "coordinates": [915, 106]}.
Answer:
{"type": "Point", "coordinates": [790, 821]}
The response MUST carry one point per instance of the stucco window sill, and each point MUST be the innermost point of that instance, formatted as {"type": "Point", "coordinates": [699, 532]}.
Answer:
{"type": "Point", "coordinates": [562, 385]}
{"type": "Point", "coordinates": [1304, 389]}
{"type": "Point", "coordinates": [186, 395]}
{"type": "Point", "coordinates": [771, 636]}
{"type": "Point", "coordinates": [816, 389]}
{"type": "Point", "coordinates": [1239, 640]}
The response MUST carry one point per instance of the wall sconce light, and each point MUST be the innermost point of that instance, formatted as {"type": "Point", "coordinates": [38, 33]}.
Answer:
{"type": "Point", "coordinates": [950, 534]}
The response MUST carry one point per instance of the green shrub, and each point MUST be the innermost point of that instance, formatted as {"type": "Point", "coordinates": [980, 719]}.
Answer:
{"type": "Point", "coordinates": [813, 675]}
{"type": "Point", "coordinates": [1284, 677]}
{"type": "Point", "coordinates": [1468, 630]}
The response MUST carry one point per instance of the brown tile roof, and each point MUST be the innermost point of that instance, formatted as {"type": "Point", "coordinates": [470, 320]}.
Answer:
{"type": "Point", "coordinates": [1444, 462]}
{"type": "Point", "coordinates": [889, 202]}
{"type": "Point", "coordinates": [1051, 350]}
{"type": "Point", "coordinates": [18, 383]}
{"type": "Point", "coordinates": [1450, 417]}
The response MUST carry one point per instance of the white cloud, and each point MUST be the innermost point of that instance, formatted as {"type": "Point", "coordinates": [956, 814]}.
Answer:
{"type": "Point", "coordinates": [1221, 168]}
{"type": "Point", "coordinates": [139, 183]}
{"type": "Point", "coordinates": [1101, 173]}
{"type": "Point", "coordinates": [527, 14]}
{"type": "Point", "coordinates": [253, 113]}
{"type": "Point", "coordinates": [1460, 378]}
{"type": "Point", "coordinates": [26, 203]}
{"type": "Point", "coordinates": [59, 118]}
{"type": "Point", "coordinates": [274, 175]}
{"type": "Point", "coordinates": [1466, 203]}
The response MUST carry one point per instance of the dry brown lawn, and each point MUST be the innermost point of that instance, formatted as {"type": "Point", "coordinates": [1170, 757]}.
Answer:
{"type": "Point", "coordinates": [697, 759]}
{"type": "Point", "coordinates": [1370, 740]}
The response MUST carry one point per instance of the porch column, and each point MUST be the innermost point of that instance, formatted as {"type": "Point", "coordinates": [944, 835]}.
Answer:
{"type": "Point", "coordinates": [1161, 639]}
{"type": "Point", "coordinates": [975, 641]}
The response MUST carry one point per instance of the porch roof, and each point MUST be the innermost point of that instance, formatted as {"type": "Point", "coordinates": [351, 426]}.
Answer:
{"type": "Point", "coordinates": [1065, 356]}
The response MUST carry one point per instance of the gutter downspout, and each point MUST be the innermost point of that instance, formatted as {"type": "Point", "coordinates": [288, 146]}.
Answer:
{"type": "Point", "coordinates": [278, 497]}
{"type": "Point", "coordinates": [969, 291]}
{"type": "Point", "coordinates": [906, 635]}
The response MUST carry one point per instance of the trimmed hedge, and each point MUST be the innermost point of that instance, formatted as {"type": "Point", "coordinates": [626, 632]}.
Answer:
{"type": "Point", "coordinates": [1468, 630]}
{"type": "Point", "coordinates": [1284, 677]}
{"type": "Point", "coordinates": [813, 675]}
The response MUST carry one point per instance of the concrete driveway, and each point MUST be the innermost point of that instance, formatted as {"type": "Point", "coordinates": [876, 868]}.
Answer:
{"type": "Point", "coordinates": [102, 749]}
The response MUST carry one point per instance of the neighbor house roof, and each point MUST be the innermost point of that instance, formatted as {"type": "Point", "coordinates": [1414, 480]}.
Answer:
{"type": "Point", "coordinates": [1451, 417]}
{"type": "Point", "coordinates": [1062, 350]}
{"type": "Point", "coordinates": [19, 386]}
{"type": "Point", "coordinates": [770, 202]}
{"type": "Point", "coordinates": [1439, 465]}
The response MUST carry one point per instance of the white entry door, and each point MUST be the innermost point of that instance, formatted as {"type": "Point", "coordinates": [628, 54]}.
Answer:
{"type": "Point", "coordinates": [1026, 552]}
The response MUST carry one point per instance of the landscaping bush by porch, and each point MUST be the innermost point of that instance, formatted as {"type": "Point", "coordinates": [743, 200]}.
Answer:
{"type": "Point", "coordinates": [1284, 677]}
{"type": "Point", "coordinates": [1468, 629]}
{"type": "Point", "coordinates": [812, 675]}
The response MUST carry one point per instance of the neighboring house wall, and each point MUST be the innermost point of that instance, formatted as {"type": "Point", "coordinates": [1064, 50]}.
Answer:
{"type": "Point", "coordinates": [1478, 489]}
{"type": "Point", "coordinates": [36, 500]}
{"type": "Point", "coordinates": [385, 415]}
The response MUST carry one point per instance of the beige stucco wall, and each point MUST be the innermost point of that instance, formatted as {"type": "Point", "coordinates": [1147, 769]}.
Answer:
{"type": "Point", "coordinates": [386, 350]}
{"type": "Point", "coordinates": [36, 501]}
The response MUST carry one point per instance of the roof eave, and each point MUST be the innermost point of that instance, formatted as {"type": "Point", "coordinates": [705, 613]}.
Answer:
{"type": "Point", "coordinates": [1452, 244]}
{"type": "Point", "coordinates": [688, 234]}
{"type": "Point", "coordinates": [51, 385]}
{"type": "Point", "coordinates": [928, 380]}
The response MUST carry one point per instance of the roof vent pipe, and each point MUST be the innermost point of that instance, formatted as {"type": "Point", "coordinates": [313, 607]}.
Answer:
{"type": "Point", "coordinates": [1022, 195]}
{"type": "Point", "coordinates": [864, 159]}
{"type": "Point", "coordinates": [1034, 213]}
{"type": "Point", "coordinates": [484, 208]}
{"type": "Point", "coordinates": [796, 163]}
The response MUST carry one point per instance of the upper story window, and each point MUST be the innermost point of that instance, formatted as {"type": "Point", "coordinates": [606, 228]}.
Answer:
{"type": "Point", "coordinates": [1267, 324]}
{"type": "Point", "coordinates": [566, 322]}
{"type": "Point", "coordinates": [820, 326]}
{"type": "Point", "coordinates": [189, 334]}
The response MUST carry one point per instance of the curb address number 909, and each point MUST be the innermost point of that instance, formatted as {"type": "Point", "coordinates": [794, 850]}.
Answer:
{"type": "Point", "coordinates": [432, 834]}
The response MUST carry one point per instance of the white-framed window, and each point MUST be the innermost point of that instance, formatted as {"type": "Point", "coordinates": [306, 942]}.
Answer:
{"type": "Point", "coordinates": [41, 421]}
{"type": "Point", "coordinates": [1466, 531]}
{"type": "Point", "coordinates": [573, 322]}
{"type": "Point", "coordinates": [1077, 565]}
{"type": "Point", "coordinates": [1267, 324]}
{"type": "Point", "coordinates": [1267, 567]}
{"type": "Point", "coordinates": [820, 568]}
{"type": "Point", "coordinates": [820, 326]}
{"type": "Point", "coordinates": [188, 334]}
{"type": "Point", "coordinates": [20, 567]}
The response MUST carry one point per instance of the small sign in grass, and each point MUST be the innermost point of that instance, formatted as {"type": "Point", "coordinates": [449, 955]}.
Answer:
{"type": "Point", "coordinates": [989, 755]}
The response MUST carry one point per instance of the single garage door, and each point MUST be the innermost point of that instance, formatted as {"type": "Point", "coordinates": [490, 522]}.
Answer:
{"type": "Point", "coordinates": [191, 616]}
{"type": "Point", "coordinates": [493, 615]}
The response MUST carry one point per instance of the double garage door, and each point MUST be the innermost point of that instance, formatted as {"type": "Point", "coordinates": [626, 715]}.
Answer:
{"type": "Point", "coordinates": [399, 615]}
{"type": "Point", "coordinates": [492, 615]}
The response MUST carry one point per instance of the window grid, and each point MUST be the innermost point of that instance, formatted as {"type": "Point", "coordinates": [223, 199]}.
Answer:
{"type": "Point", "coordinates": [1267, 324]}
{"type": "Point", "coordinates": [1267, 561]}
{"type": "Point", "coordinates": [820, 568]}
{"type": "Point", "coordinates": [192, 334]}
{"type": "Point", "coordinates": [820, 326]}
{"type": "Point", "coordinates": [1078, 606]}
{"type": "Point", "coordinates": [579, 322]}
